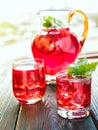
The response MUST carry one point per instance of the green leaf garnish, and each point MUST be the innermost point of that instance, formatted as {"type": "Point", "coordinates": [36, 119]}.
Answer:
{"type": "Point", "coordinates": [82, 67]}
{"type": "Point", "coordinates": [52, 22]}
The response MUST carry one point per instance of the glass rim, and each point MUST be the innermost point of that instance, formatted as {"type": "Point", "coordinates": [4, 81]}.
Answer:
{"type": "Point", "coordinates": [72, 77]}
{"type": "Point", "coordinates": [55, 10]}
{"type": "Point", "coordinates": [27, 60]}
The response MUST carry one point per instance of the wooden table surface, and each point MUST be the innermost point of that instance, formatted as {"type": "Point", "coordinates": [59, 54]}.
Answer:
{"type": "Point", "coordinates": [42, 115]}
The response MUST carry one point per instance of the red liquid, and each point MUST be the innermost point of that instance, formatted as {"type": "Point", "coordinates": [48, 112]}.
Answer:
{"type": "Point", "coordinates": [28, 84]}
{"type": "Point", "coordinates": [57, 47]}
{"type": "Point", "coordinates": [73, 95]}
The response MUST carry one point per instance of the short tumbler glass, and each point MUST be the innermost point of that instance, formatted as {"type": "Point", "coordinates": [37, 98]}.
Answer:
{"type": "Point", "coordinates": [28, 80]}
{"type": "Point", "coordinates": [73, 95]}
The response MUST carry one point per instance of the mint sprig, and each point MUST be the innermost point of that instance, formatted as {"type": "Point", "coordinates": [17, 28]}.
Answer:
{"type": "Point", "coordinates": [52, 22]}
{"type": "Point", "coordinates": [82, 67]}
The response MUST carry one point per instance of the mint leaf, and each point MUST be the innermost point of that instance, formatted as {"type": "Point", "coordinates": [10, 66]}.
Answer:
{"type": "Point", "coordinates": [82, 67]}
{"type": "Point", "coordinates": [52, 22]}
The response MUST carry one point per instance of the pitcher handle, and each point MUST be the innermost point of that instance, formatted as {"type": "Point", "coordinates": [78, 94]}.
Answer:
{"type": "Point", "coordinates": [85, 20]}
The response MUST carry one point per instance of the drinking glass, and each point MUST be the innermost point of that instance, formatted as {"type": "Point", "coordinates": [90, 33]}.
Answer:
{"type": "Point", "coordinates": [73, 95]}
{"type": "Point", "coordinates": [28, 80]}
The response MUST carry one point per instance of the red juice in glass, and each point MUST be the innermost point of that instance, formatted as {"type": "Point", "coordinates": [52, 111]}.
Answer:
{"type": "Point", "coordinates": [73, 96]}
{"type": "Point", "coordinates": [57, 47]}
{"type": "Point", "coordinates": [29, 84]}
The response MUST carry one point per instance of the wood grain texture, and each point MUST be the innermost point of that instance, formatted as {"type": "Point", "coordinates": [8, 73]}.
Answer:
{"type": "Point", "coordinates": [94, 102]}
{"type": "Point", "coordinates": [9, 108]}
{"type": "Point", "coordinates": [42, 115]}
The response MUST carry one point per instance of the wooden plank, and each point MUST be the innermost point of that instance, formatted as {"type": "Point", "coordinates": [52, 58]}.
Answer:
{"type": "Point", "coordinates": [9, 107]}
{"type": "Point", "coordinates": [43, 116]}
{"type": "Point", "coordinates": [94, 103]}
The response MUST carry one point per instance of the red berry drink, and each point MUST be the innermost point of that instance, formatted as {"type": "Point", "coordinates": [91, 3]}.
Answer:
{"type": "Point", "coordinates": [73, 96]}
{"type": "Point", "coordinates": [29, 83]}
{"type": "Point", "coordinates": [57, 47]}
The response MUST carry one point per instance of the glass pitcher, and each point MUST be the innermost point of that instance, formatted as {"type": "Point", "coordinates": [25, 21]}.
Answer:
{"type": "Point", "coordinates": [55, 43]}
